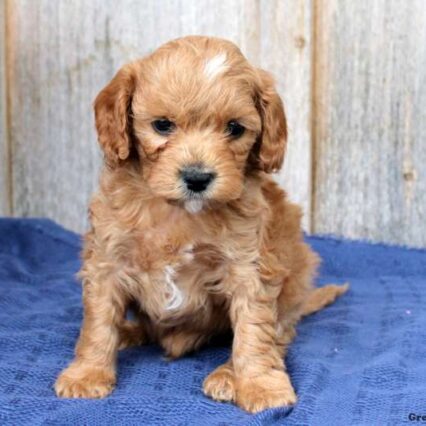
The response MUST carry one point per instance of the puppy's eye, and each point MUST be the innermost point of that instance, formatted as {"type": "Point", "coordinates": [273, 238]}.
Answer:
{"type": "Point", "coordinates": [235, 129]}
{"type": "Point", "coordinates": [163, 126]}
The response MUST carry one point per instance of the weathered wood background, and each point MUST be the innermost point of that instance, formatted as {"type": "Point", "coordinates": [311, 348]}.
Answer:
{"type": "Point", "coordinates": [352, 75]}
{"type": "Point", "coordinates": [5, 196]}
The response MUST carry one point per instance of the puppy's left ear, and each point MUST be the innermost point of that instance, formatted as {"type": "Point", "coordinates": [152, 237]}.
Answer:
{"type": "Point", "coordinates": [112, 115]}
{"type": "Point", "coordinates": [273, 139]}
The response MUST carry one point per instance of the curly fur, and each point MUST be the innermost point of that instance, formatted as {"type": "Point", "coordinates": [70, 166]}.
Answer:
{"type": "Point", "coordinates": [191, 265]}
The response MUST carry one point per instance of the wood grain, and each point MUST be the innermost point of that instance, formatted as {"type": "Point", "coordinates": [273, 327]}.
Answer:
{"type": "Point", "coordinates": [352, 76]}
{"type": "Point", "coordinates": [5, 205]}
{"type": "Point", "coordinates": [370, 120]}
{"type": "Point", "coordinates": [66, 51]}
{"type": "Point", "coordinates": [286, 51]}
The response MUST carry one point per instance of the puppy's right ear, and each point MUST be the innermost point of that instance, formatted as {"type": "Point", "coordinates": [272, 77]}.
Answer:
{"type": "Point", "coordinates": [112, 108]}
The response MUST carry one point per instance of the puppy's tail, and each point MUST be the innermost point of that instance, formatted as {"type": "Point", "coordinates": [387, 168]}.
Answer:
{"type": "Point", "coordinates": [323, 296]}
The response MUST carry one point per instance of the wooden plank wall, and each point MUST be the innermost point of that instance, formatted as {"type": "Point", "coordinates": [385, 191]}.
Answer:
{"type": "Point", "coordinates": [5, 194]}
{"type": "Point", "coordinates": [64, 52]}
{"type": "Point", "coordinates": [352, 76]}
{"type": "Point", "coordinates": [370, 120]}
{"type": "Point", "coordinates": [286, 51]}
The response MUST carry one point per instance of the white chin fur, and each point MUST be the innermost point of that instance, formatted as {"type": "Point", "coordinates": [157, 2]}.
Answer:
{"type": "Point", "coordinates": [193, 206]}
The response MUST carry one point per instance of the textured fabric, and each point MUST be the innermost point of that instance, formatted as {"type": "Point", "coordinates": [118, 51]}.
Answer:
{"type": "Point", "coordinates": [360, 361]}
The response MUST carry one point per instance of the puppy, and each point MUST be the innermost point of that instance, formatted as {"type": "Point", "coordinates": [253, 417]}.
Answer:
{"type": "Point", "coordinates": [189, 228]}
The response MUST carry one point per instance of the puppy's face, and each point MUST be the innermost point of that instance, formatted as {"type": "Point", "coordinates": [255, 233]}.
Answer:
{"type": "Point", "coordinates": [198, 116]}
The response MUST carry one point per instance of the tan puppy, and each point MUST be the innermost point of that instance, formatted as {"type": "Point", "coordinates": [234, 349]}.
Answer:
{"type": "Point", "coordinates": [190, 229]}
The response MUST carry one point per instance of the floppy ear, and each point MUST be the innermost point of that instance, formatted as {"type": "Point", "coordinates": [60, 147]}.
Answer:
{"type": "Point", "coordinates": [273, 139]}
{"type": "Point", "coordinates": [112, 109]}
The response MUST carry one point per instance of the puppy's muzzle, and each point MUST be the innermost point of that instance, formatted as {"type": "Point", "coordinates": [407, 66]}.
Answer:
{"type": "Point", "coordinates": [196, 179]}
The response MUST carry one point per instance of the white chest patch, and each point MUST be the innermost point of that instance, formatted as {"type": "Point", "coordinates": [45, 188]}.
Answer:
{"type": "Point", "coordinates": [193, 206]}
{"type": "Point", "coordinates": [175, 298]}
{"type": "Point", "coordinates": [215, 66]}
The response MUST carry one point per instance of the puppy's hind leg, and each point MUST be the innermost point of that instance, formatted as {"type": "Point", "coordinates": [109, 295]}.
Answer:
{"type": "Point", "coordinates": [131, 334]}
{"type": "Point", "coordinates": [180, 342]}
{"type": "Point", "coordinates": [323, 296]}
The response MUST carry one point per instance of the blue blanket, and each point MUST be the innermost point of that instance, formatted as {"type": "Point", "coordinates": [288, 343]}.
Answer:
{"type": "Point", "coordinates": [361, 361]}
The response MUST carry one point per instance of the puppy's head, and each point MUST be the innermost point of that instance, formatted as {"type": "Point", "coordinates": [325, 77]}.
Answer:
{"type": "Point", "coordinates": [197, 117]}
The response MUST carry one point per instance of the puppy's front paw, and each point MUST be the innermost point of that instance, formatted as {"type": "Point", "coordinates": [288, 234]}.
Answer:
{"type": "Point", "coordinates": [219, 385]}
{"type": "Point", "coordinates": [266, 391]}
{"type": "Point", "coordinates": [84, 382]}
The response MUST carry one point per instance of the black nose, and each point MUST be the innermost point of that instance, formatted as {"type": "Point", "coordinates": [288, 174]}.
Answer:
{"type": "Point", "coordinates": [196, 179]}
